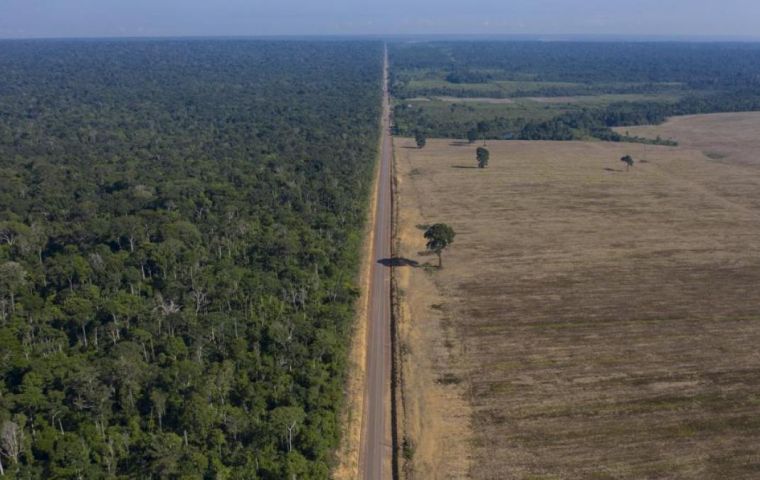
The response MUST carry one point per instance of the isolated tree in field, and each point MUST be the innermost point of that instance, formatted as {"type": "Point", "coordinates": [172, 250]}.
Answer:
{"type": "Point", "coordinates": [420, 139]}
{"type": "Point", "coordinates": [482, 154]}
{"type": "Point", "coordinates": [628, 160]}
{"type": "Point", "coordinates": [472, 135]}
{"type": "Point", "coordinates": [439, 236]}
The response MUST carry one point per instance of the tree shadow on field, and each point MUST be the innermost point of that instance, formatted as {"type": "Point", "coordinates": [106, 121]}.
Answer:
{"type": "Point", "coordinates": [468, 167]}
{"type": "Point", "coordinates": [410, 147]}
{"type": "Point", "coordinates": [612, 170]}
{"type": "Point", "coordinates": [398, 262]}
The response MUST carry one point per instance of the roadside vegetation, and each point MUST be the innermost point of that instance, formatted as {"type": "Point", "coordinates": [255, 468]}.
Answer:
{"type": "Point", "coordinates": [179, 234]}
{"type": "Point", "coordinates": [439, 237]}
{"type": "Point", "coordinates": [566, 90]}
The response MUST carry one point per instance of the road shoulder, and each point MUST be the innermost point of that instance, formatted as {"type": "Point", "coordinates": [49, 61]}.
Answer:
{"type": "Point", "coordinates": [434, 414]}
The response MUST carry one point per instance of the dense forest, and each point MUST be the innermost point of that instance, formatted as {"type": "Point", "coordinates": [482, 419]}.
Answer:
{"type": "Point", "coordinates": [697, 65]}
{"type": "Point", "coordinates": [179, 233]}
{"type": "Point", "coordinates": [703, 78]}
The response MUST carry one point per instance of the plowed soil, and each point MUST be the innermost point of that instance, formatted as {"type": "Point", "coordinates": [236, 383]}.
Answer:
{"type": "Point", "coordinates": [589, 322]}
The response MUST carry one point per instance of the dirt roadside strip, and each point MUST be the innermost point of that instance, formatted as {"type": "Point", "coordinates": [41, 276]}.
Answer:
{"type": "Point", "coordinates": [376, 445]}
{"type": "Point", "coordinates": [369, 365]}
{"type": "Point", "coordinates": [352, 418]}
{"type": "Point", "coordinates": [434, 414]}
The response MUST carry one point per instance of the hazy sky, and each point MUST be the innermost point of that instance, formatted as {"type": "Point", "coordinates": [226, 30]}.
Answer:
{"type": "Point", "coordinates": [86, 18]}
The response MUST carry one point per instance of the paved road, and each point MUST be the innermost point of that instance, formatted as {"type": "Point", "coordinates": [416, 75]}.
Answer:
{"type": "Point", "coordinates": [376, 446]}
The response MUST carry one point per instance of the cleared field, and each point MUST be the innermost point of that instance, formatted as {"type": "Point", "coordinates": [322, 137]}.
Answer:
{"type": "Point", "coordinates": [583, 100]}
{"type": "Point", "coordinates": [606, 99]}
{"type": "Point", "coordinates": [503, 87]}
{"type": "Point", "coordinates": [461, 112]}
{"type": "Point", "coordinates": [589, 323]}
{"type": "Point", "coordinates": [721, 136]}
{"type": "Point", "coordinates": [421, 82]}
{"type": "Point", "coordinates": [452, 115]}
{"type": "Point", "coordinates": [496, 101]}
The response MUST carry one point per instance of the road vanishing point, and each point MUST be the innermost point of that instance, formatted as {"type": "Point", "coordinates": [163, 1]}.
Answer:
{"type": "Point", "coordinates": [376, 444]}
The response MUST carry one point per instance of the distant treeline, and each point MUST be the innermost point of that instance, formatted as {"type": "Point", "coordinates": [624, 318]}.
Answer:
{"type": "Point", "coordinates": [708, 78]}
{"type": "Point", "coordinates": [598, 122]}
{"type": "Point", "coordinates": [697, 65]}
{"type": "Point", "coordinates": [179, 233]}
{"type": "Point", "coordinates": [581, 123]}
{"type": "Point", "coordinates": [494, 91]}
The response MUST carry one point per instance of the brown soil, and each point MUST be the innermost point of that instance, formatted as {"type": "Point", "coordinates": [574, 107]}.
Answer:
{"type": "Point", "coordinates": [719, 136]}
{"type": "Point", "coordinates": [436, 414]}
{"type": "Point", "coordinates": [590, 322]}
{"type": "Point", "coordinates": [555, 99]}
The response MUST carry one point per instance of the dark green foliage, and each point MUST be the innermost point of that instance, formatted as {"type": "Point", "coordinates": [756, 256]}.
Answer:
{"type": "Point", "coordinates": [483, 128]}
{"type": "Point", "coordinates": [606, 66]}
{"type": "Point", "coordinates": [696, 78]}
{"type": "Point", "coordinates": [482, 155]}
{"type": "Point", "coordinates": [439, 237]}
{"type": "Point", "coordinates": [598, 122]}
{"type": "Point", "coordinates": [179, 232]}
{"type": "Point", "coordinates": [420, 140]}
{"type": "Point", "coordinates": [408, 449]}
{"type": "Point", "coordinates": [468, 76]}
{"type": "Point", "coordinates": [628, 160]}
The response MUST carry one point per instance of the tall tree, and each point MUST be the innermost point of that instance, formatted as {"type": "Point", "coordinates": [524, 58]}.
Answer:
{"type": "Point", "coordinates": [439, 237]}
{"type": "Point", "coordinates": [12, 279]}
{"type": "Point", "coordinates": [482, 155]}
{"type": "Point", "coordinates": [483, 128]}
{"type": "Point", "coordinates": [286, 421]}
{"type": "Point", "coordinates": [472, 135]}
{"type": "Point", "coordinates": [11, 440]}
{"type": "Point", "coordinates": [420, 139]}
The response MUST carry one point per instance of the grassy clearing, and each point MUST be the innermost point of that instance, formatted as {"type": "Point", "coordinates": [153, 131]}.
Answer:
{"type": "Point", "coordinates": [423, 82]}
{"type": "Point", "coordinates": [499, 88]}
{"type": "Point", "coordinates": [443, 109]}
{"type": "Point", "coordinates": [581, 100]}
{"type": "Point", "coordinates": [453, 116]}
{"type": "Point", "coordinates": [528, 108]}
{"type": "Point", "coordinates": [606, 99]}
{"type": "Point", "coordinates": [603, 323]}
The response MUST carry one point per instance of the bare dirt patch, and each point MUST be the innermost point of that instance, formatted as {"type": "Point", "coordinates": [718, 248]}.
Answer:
{"type": "Point", "coordinates": [554, 99]}
{"type": "Point", "coordinates": [599, 323]}
{"type": "Point", "coordinates": [605, 98]}
{"type": "Point", "coordinates": [496, 101]}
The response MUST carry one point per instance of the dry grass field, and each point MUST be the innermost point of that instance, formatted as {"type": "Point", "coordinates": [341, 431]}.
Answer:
{"type": "Point", "coordinates": [730, 136]}
{"type": "Point", "coordinates": [589, 323]}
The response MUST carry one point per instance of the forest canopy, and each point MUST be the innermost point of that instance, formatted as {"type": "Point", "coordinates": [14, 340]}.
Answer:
{"type": "Point", "coordinates": [179, 232]}
{"type": "Point", "coordinates": [579, 89]}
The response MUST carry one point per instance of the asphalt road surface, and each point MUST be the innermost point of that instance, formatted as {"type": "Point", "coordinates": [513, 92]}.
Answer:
{"type": "Point", "coordinates": [376, 444]}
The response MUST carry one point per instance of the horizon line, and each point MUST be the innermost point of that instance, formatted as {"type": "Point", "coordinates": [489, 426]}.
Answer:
{"type": "Point", "coordinates": [557, 37]}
